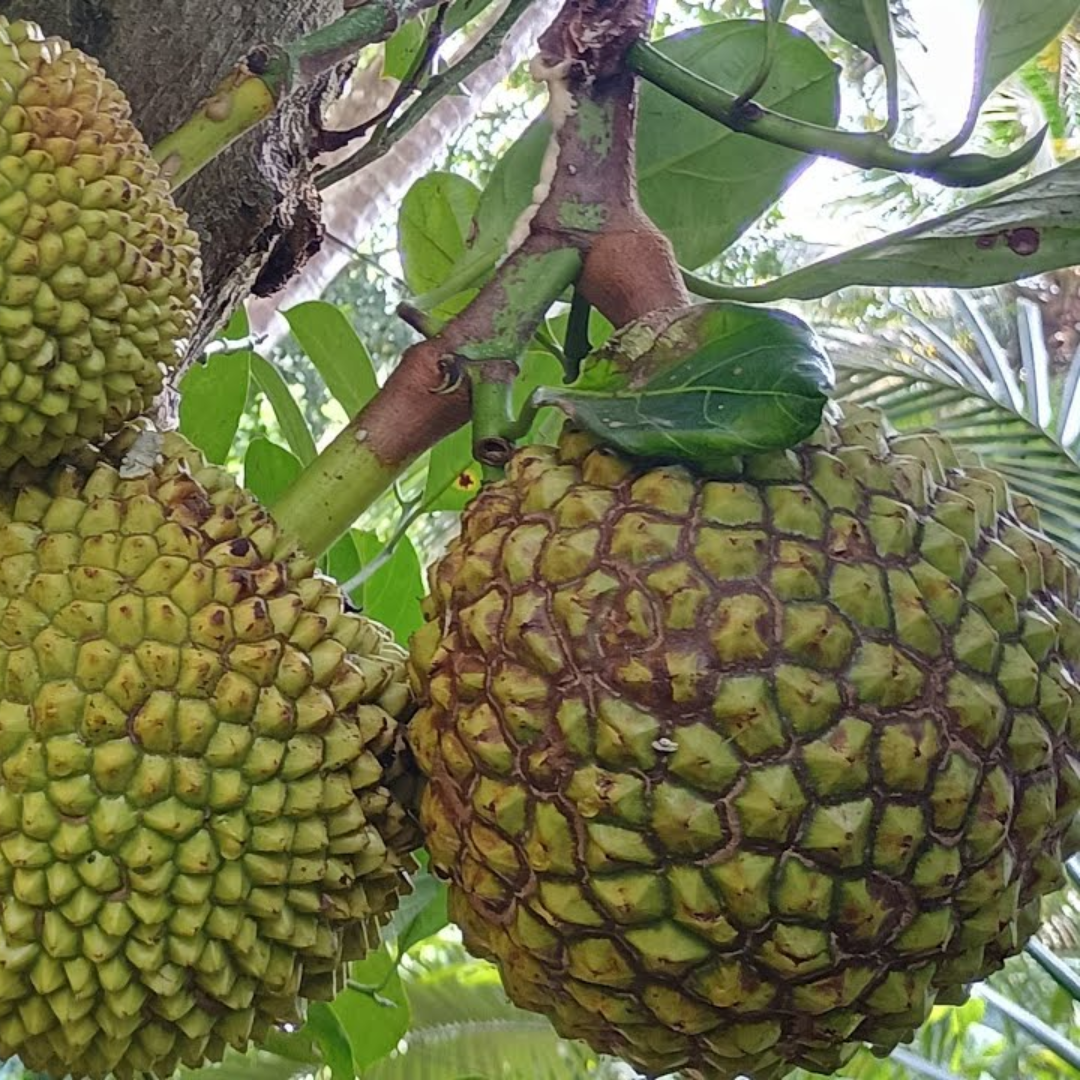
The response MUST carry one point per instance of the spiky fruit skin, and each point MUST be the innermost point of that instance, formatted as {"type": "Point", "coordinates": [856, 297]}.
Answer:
{"type": "Point", "coordinates": [99, 271]}
{"type": "Point", "coordinates": [732, 775]}
{"type": "Point", "coordinates": [202, 788]}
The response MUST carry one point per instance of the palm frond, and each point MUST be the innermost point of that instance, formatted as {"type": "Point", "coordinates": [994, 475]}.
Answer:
{"type": "Point", "coordinates": [463, 1025]}
{"type": "Point", "coordinates": [1003, 400]}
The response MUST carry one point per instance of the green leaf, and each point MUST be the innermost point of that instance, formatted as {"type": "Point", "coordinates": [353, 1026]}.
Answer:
{"type": "Point", "coordinates": [393, 593]}
{"type": "Point", "coordinates": [269, 469]}
{"type": "Point", "coordinates": [212, 399]}
{"type": "Point", "coordinates": [373, 1021]}
{"type": "Point", "coordinates": [420, 914]}
{"type": "Point", "coordinates": [508, 192]}
{"type": "Point", "coordinates": [720, 380]}
{"type": "Point", "coordinates": [343, 563]}
{"type": "Point", "coordinates": [289, 417]}
{"type": "Point", "coordinates": [328, 1034]}
{"type": "Point", "coordinates": [848, 19]}
{"type": "Point", "coordinates": [332, 345]}
{"type": "Point", "coordinates": [1010, 32]}
{"type": "Point", "coordinates": [702, 184]}
{"type": "Point", "coordinates": [433, 228]}
{"type": "Point", "coordinates": [402, 48]}
{"type": "Point", "coordinates": [453, 476]}
{"type": "Point", "coordinates": [1026, 230]}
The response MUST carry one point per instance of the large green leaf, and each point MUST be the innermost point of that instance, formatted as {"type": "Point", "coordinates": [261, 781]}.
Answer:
{"type": "Point", "coordinates": [375, 1018]}
{"type": "Point", "coordinates": [1026, 230]}
{"type": "Point", "coordinates": [721, 380]}
{"type": "Point", "coordinates": [433, 228]}
{"type": "Point", "coordinates": [392, 594]}
{"type": "Point", "coordinates": [1011, 32]}
{"type": "Point", "coordinates": [701, 183]}
{"type": "Point", "coordinates": [269, 469]}
{"type": "Point", "coordinates": [332, 345]}
{"type": "Point", "coordinates": [289, 417]}
{"type": "Point", "coordinates": [327, 1032]}
{"type": "Point", "coordinates": [509, 189]}
{"type": "Point", "coordinates": [213, 396]}
{"type": "Point", "coordinates": [848, 19]}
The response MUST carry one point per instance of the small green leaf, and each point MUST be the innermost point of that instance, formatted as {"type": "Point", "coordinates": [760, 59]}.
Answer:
{"type": "Point", "coordinates": [689, 165]}
{"type": "Point", "coordinates": [453, 476]}
{"type": "Point", "coordinates": [402, 48]}
{"type": "Point", "coordinates": [269, 469]}
{"type": "Point", "coordinates": [238, 326]}
{"type": "Point", "coordinates": [375, 1019]}
{"type": "Point", "coordinates": [433, 228]}
{"type": "Point", "coordinates": [332, 345]}
{"type": "Point", "coordinates": [328, 1034]}
{"type": "Point", "coordinates": [509, 190]}
{"type": "Point", "coordinates": [1010, 32]}
{"type": "Point", "coordinates": [393, 593]}
{"type": "Point", "coordinates": [289, 417]}
{"type": "Point", "coordinates": [718, 380]}
{"type": "Point", "coordinates": [420, 914]}
{"type": "Point", "coordinates": [1021, 232]}
{"type": "Point", "coordinates": [212, 400]}
{"type": "Point", "coordinates": [774, 9]}
{"type": "Point", "coordinates": [343, 563]}
{"type": "Point", "coordinates": [848, 19]}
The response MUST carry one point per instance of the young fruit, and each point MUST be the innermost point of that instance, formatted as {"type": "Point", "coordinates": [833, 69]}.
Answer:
{"type": "Point", "coordinates": [99, 271]}
{"type": "Point", "coordinates": [731, 775]}
{"type": "Point", "coordinates": [202, 788]}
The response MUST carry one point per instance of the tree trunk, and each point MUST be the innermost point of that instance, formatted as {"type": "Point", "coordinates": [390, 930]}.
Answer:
{"type": "Point", "coordinates": [255, 208]}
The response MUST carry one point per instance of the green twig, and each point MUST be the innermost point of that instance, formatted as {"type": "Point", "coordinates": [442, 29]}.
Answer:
{"type": "Point", "coordinates": [251, 92]}
{"type": "Point", "coordinates": [768, 56]}
{"type": "Point", "coordinates": [414, 510]}
{"type": "Point", "coordinates": [578, 345]}
{"type": "Point", "coordinates": [881, 33]}
{"type": "Point", "coordinates": [865, 150]}
{"type": "Point", "coordinates": [441, 85]}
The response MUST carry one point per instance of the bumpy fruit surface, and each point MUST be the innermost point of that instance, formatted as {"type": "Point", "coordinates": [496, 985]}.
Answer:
{"type": "Point", "coordinates": [732, 775]}
{"type": "Point", "coordinates": [98, 268]}
{"type": "Point", "coordinates": [201, 785]}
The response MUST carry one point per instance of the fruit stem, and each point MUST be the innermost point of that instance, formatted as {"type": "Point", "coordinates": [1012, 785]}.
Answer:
{"type": "Point", "coordinates": [426, 397]}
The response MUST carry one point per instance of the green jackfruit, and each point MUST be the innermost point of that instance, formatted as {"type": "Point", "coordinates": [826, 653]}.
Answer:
{"type": "Point", "coordinates": [733, 774]}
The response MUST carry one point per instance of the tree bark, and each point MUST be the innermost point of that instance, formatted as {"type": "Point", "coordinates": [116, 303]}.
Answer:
{"type": "Point", "coordinates": [255, 208]}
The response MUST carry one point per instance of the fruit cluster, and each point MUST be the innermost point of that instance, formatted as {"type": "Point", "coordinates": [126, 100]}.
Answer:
{"type": "Point", "coordinates": [203, 784]}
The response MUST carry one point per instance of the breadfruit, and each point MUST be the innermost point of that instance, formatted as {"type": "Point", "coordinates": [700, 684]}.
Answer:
{"type": "Point", "coordinates": [99, 271]}
{"type": "Point", "coordinates": [202, 789]}
{"type": "Point", "coordinates": [734, 774]}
